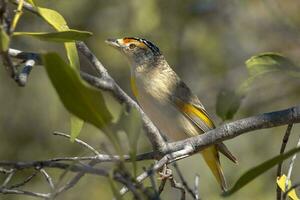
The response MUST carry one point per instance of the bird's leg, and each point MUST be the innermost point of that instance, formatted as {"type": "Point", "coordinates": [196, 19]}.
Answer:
{"type": "Point", "coordinates": [165, 173]}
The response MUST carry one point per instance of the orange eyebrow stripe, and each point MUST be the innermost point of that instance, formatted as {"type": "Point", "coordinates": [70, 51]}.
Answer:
{"type": "Point", "coordinates": [136, 42]}
{"type": "Point", "coordinates": [127, 40]}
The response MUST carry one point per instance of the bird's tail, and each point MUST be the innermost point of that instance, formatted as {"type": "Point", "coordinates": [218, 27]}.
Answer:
{"type": "Point", "coordinates": [211, 157]}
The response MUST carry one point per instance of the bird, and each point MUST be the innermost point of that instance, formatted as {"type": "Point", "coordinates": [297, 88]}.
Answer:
{"type": "Point", "coordinates": [167, 100]}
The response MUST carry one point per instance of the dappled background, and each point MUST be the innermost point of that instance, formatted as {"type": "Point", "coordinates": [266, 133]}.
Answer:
{"type": "Point", "coordinates": [206, 41]}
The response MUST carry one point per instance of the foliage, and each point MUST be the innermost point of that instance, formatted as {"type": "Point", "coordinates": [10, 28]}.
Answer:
{"type": "Point", "coordinates": [61, 36]}
{"type": "Point", "coordinates": [76, 126]}
{"type": "Point", "coordinates": [229, 101]}
{"type": "Point", "coordinates": [87, 103]}
{"type": "Point", "coordinates": [253, 173]}
{"type": "Point", "coordinates": [78, 97]}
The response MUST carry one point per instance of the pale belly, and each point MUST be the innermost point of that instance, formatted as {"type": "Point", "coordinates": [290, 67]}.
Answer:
{"type": "Point", "coordinates": [170, 121]}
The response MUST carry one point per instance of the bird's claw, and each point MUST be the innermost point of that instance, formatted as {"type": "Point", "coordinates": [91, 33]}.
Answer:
{"type": "Point", "coordinates": [165, 173]}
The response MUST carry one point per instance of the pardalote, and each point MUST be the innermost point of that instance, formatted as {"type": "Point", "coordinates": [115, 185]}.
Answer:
{"type": "Point", "coordinates": [167, 100]}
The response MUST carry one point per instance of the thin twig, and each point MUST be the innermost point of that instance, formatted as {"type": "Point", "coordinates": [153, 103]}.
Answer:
{"type": "Point", "coordinates": [17, 16]}
{"type": "Point", "coordinates": [196, 188]}
{"type": "Point", "coordinates": [73, 181]}
{"type": "Point", "coordinates": [227, 131]}
{"type": "Point", "coordinates": [78, 141]}
{"type": "Point", "coordinates": [58, 165]}
{"type": "Point", "coordinates": [152, 132]}
{"type": "Point", "coordinates": [184, 182]}
{"type": "Point", "coordinates": [157, 166]}
{"type": "Point", "coordinates": [5, 26]}
{"type": "Point", "coordinates": [23, 192]}
{"type": "Point", "coordinates": [26, 180]}
{"type": "Point", "coordinates": [27, 6]}
{"type": "Point", "coordinates": [279, 168]}
{"type": "Point", "coordinates": [48, 178]}
{"type": "Point", "coordinates": [6, 171]}
{"type": "Point", "coordinates": [178, 186]}
{"type": "Point", "coordinates": [8, 178]}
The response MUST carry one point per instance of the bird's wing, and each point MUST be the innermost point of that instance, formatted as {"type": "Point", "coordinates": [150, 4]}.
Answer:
{"type": "Point", "coordinates": [189, 105]}
{"type": "Point", "coordinates": [198, 117]}
{"type": "Point", "coordinates": [192, 108]}
{"type": "Point", "coordinates": [204, 123]}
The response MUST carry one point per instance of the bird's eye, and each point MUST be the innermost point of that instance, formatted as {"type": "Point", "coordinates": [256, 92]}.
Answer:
{"type": "Point", "coordinates": [132, 46]}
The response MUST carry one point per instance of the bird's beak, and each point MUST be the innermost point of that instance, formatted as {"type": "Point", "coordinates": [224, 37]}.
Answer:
{"type": "Point", "coordinates": [113, 43]}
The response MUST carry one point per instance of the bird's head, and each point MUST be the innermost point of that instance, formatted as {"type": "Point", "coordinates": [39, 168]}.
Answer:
{"type": "Point", "coordinates": [138, 51]}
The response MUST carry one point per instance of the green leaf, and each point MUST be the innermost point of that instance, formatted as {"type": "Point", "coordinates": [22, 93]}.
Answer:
{"type": "Point", "coordinates": [31, 2]}
{"type": "Point", "coordinates": [228, 103]}
{"type": "Point", "coordinates": [4, 40]}
{"type": "Point", "coordinates": [270, 62]}
{"type": "Point", "coordinates": [253, 173]}
{"type": "Point", "coordinates": [57, 21]}
{"type": "Point", "coordinates": [53, 18]}
{"type": "Point", "coordinates": [62, 36]}
{"type": "Point", "coordinates": [76, 126]}
{"type": "Point", "coordinates": [77, 96]}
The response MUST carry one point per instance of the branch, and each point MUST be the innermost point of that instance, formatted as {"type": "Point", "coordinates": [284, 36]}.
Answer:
{"type": "Point", "coordinates": [78, 141]}
{"type": "Point", "coordinates": [48, 178]}
{"type": "Point", "coordinates": [189, 146]}
{"type": "Point", "coordinates": [107, 83]}
{"type": "Point", "coordinates": [196, 187]}
{"type": "Point", "coordinates": [236, 128]}
{"type": "Point", "coordinates": [26, 180]}
{"type": "Point", "coordinates": [152, 132]}
{"type": "Point", "coordinates": [184, 182]}
{"type": "Point", "coordinates": [172, 151]}
{"type": "Point", "coordinates": [23, 192]}
{"type": "Point", "coordinates": [184, 148]}
{"type": "Point", "coordinates": [178, 186]}
{"type": "Point", "coordinates": [52, 164]}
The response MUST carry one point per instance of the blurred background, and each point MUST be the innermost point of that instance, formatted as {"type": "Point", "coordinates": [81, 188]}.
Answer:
{"type": "Point", "coordinates": [206, 41]}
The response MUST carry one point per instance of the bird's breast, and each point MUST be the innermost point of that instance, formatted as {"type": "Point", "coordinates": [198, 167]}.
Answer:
{"type": "Point", "coordinates": [154, 98]}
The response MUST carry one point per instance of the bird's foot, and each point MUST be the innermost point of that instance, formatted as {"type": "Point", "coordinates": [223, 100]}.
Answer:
{"type": "Point", "coordinates": [165, 173]}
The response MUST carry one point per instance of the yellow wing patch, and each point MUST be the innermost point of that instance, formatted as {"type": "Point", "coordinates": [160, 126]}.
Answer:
{"type": "Point", "coordinates": [190, 109]}
{"type": "Point", "coordinates": [133, 86]}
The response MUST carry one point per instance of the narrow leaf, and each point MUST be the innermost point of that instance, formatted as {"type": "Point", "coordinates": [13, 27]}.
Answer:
{"type": "Point", "coordinates": [281, 183]}
{"type": "Point", "coordinates": [229, 101]}
{"type": "Point", "coordinates": [62, 36]}
{"type": "Point", "coordinates": [77, 96]}
{"type": "Point", "coordinates": [76, 126]}
{"type": "Point", "coordinates": [270, 62]}
{"type": "Point", "coordinates": [253, 173]}
{"type": "Point", "coordinates": [57, 21]}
